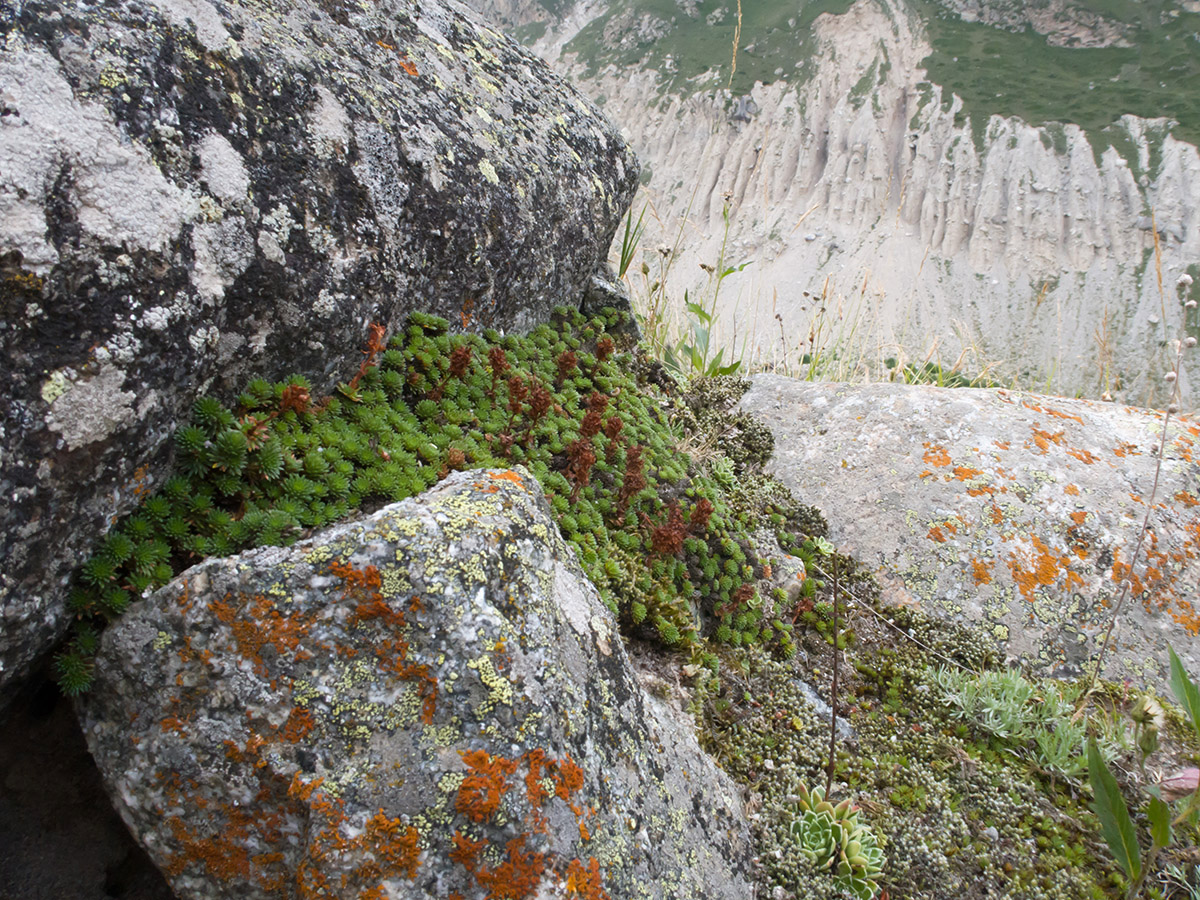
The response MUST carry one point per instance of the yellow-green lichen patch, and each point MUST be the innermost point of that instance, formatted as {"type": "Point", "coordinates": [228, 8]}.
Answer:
{"type": "Point", "coordinates": [55, 386]}
{"type": "Point", "coordinates": [500, 690]}
{"type": "Point", "coordinates": [319, 555]}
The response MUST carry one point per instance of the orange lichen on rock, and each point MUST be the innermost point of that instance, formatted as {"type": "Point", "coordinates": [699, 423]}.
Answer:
{"type": "Point", "coordinates": [935, 534]}
{"type": "Point", "coordinates": [480, 797]}
{"type": "Point", "coordinates": [1084, 456]}
{"type": "Point", "coordinates": [466, 851]}
{"type": "Point", "coordinates": [568, 780]}
{"type": "Point", "coordinates": [1044, 439]}
{"type": "Point", "coordinates": [584, 881]}
{"type": "Point", "coordinates": [966, 473]}
{"type": "Point", "coordinates": [1071, 490]}
{"type": "Point", "coordinates": [362, 586]}
{"type": "Point", "coordinates": [981, 571]}
{"type": "Point", "coordinates": [480, 794]}
{"type": "Point", "coordinates": [299, 723]}
{"type": "Point", "coordinates": [1079, 517]}
{"type": "Point", "coordinates": [301, 789]}
{"type": "Point", "coordinates": [1042, 570]}
{"type": "Point", "coordinates": [255, 623]}
{"type": "Point", "coordinates": [220, 837]}
{"type": "Point", "coordinates": [517, 877]}
{"type": "Point", "coordinates": [1049, 411]}
{"type": "Point", "coordinates": [935, 455]}
{"type": "Point", "coordinates": [1185, 614]}
{"type": "Point", "coordinates": [394, 846]}
{"type": "Point", "coordinates": [223, 854]}
{"type": "Point", "coordinates": [174, 723]}
{"type": "Point", "coordinates": [507, 476]}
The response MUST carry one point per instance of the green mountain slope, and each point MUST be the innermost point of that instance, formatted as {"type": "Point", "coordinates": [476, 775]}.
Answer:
{"type": "Point", "coordinates": [1096, 60]}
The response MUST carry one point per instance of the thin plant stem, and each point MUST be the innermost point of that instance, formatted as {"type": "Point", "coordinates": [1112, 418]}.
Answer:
{"type": "Point", "coordinates": [833, 693]}
{"type": "Point", "coordinates": [866, 607]}
{"type": "Point", "coordinates": [1141, 538]}
{"type": "Point", "coordinates": [737, 37]}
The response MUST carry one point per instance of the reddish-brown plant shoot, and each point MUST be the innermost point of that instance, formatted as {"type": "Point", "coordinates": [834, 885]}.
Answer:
{"type": "Point", "coordinates": [634, 481]}
{"type": "Point", "coordinates": [612, 431]}
{"type": "Point", "coordinates": [701, 513]}
{"type": "Point", "coordinates": [567, 362]}
{"type": "Point", "coordinates": [594, 420]}
{"type": "Point", "coordinates": [667, 539]}
{"type": "Point", "coordinates": [295, 398]}
{"type": "Point", "coordinates": [375, 345]}
{"type": "Point", "coordinates": [581, 456]}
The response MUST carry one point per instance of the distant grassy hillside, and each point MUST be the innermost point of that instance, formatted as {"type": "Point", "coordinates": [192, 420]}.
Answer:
{"type": "Point", "coordinates": [994, 70]}
{"type": "Point", "coordinates": [683, 40]}
{"type": "Point", "coordinates": [1021, 74]}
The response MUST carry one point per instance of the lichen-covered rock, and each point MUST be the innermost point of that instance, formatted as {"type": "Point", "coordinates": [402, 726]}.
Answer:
{"type": "Point", "coordinates": [1016, 512]}
{"type": "Point", "coordinates": [198, 191]}
{"type": "Point", "coordinates": [429, 702]}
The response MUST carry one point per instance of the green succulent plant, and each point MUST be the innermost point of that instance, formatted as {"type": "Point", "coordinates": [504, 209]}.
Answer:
{"type": "Point", "coordinates": [667, 542]}
{"type": "Point", "coordinates": [833, 840]}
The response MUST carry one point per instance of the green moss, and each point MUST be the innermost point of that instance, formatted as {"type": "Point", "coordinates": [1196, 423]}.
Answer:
{"type": "Point", "coordinates": [283, 462]}
{"type": "Point", "coordinates": [954, 816]}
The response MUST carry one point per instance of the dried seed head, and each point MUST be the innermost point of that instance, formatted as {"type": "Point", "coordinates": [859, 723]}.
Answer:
{"type": "Point", "coordinates": [1184, 280]}
{"type": "Point", "coordinates": [1169, 378]}
{"type": "Point", "coordinates": [1148, 711]}
{"type": "Point", "coordinates": [1172, 409]}
{"type": "Point", "coordinates": [1191, 304]}
{"type": "Point", "coordinates": [1189, 342]}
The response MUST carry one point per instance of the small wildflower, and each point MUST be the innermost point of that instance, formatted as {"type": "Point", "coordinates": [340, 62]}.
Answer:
{"type": "Point", "coordinates": [1170, 377]}
{"type": "Point", "coordinates": [1148, 711]}
{"type": "Point", "coordinates": [1185, 280]}
{"type": "Point", "coordinates": [1189, 342]}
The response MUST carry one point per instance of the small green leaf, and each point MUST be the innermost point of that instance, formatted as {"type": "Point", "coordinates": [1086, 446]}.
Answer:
{"type": "Point", "coordinates": [1160, 822]}
{"type": "Point", "coordinates": [714, 366]}
{"type": "Point", "coordinates": [1185, 691]}
{"type": "Point", "coordinates": [1110, 808]}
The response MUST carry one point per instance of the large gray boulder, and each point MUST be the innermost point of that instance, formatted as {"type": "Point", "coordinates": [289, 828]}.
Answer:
{"type": "Point", "coordinates": [430, 701]}
{"type": "Point", "coordinates": [194, 192]}
{"type": "Point", "coordinates": [1015, 513]}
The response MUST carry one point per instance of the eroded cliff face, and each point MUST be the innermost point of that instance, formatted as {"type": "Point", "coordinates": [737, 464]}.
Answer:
{"type": "Point", "coordinates": [1031, 247]}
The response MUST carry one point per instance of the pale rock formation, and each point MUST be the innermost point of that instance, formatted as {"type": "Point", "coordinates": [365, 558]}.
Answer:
{"type": "Point", "coordinates": [1015, 514]}
{"type": "Point", "coordinates": [1025, 246]}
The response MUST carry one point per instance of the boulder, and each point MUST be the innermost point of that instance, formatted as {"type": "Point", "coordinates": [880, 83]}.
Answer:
{"type": "Point", "coordinates": [429, 702]}
{"type": "Point", "coordinates": [196, 192]}
{"type": "Point", "coordinates": [1015, 513]}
